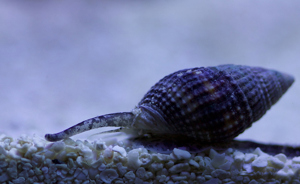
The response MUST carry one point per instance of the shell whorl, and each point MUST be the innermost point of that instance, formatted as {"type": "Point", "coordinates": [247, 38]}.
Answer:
{"type": "Point", "coordinates": [209, 104]}
{"type": "Point", "coordinates": [215, 103]}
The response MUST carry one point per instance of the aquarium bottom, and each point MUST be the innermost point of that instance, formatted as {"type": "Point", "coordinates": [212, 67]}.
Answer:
{"type": "Point", "coordinates": [35, 160]}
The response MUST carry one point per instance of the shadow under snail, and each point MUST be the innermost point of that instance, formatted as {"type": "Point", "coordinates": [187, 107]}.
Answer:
{"type": "Point", "coordinates": [207, 104]}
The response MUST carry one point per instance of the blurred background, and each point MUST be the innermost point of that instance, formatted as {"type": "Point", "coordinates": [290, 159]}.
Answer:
{"type": "Point", "coordinates": [62, 62]}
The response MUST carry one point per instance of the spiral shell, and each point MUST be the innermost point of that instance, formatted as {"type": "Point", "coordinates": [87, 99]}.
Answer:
{"type": "Point", "coordinates": [215, 103]}
{"type": "Point", "coordinates": [207, 104]}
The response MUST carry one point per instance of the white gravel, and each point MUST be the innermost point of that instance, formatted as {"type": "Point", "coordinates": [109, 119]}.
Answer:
{"type": "Point", "coordinates": [32, 159]}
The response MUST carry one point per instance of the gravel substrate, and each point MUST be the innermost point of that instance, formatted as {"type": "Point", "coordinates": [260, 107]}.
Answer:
{"type": "Point", "coordinates": [34, 160]}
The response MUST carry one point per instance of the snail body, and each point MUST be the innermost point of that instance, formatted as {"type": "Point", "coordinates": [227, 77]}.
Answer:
{"type": "Point", "coordinates": [209, 104]}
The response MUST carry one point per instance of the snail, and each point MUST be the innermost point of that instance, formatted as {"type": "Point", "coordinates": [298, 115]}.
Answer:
{"type": "Point", "coordinates": [209, 104]}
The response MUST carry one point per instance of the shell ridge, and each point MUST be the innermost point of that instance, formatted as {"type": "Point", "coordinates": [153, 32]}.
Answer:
{"type": "Point", "coordinates": [259, 106]}
{"type": "Point", "coordinates": [242, 100]}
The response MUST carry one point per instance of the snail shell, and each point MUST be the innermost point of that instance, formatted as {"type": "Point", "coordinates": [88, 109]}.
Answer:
{"type": "Point", "coordinates": [210, 104]}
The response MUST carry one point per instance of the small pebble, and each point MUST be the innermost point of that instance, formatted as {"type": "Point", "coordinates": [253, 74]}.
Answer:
{"type": "Point", "coordinates": [260, 162]}
{"type": "Point", "coordinates": [108, 175]}
{"type": "Point", "coordinates": [120, 150]}
{"type": "Point", "coordinates": [296, 160]}
{"type": "Point", "coordinates": [181, 154]}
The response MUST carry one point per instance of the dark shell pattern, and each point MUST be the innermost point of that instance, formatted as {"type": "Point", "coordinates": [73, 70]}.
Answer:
{"type": "Point", "coordinates": [215, 103]}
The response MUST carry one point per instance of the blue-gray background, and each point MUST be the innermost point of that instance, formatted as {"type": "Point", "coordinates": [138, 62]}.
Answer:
{"type": "Point", "coordinates": [65, 61]}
